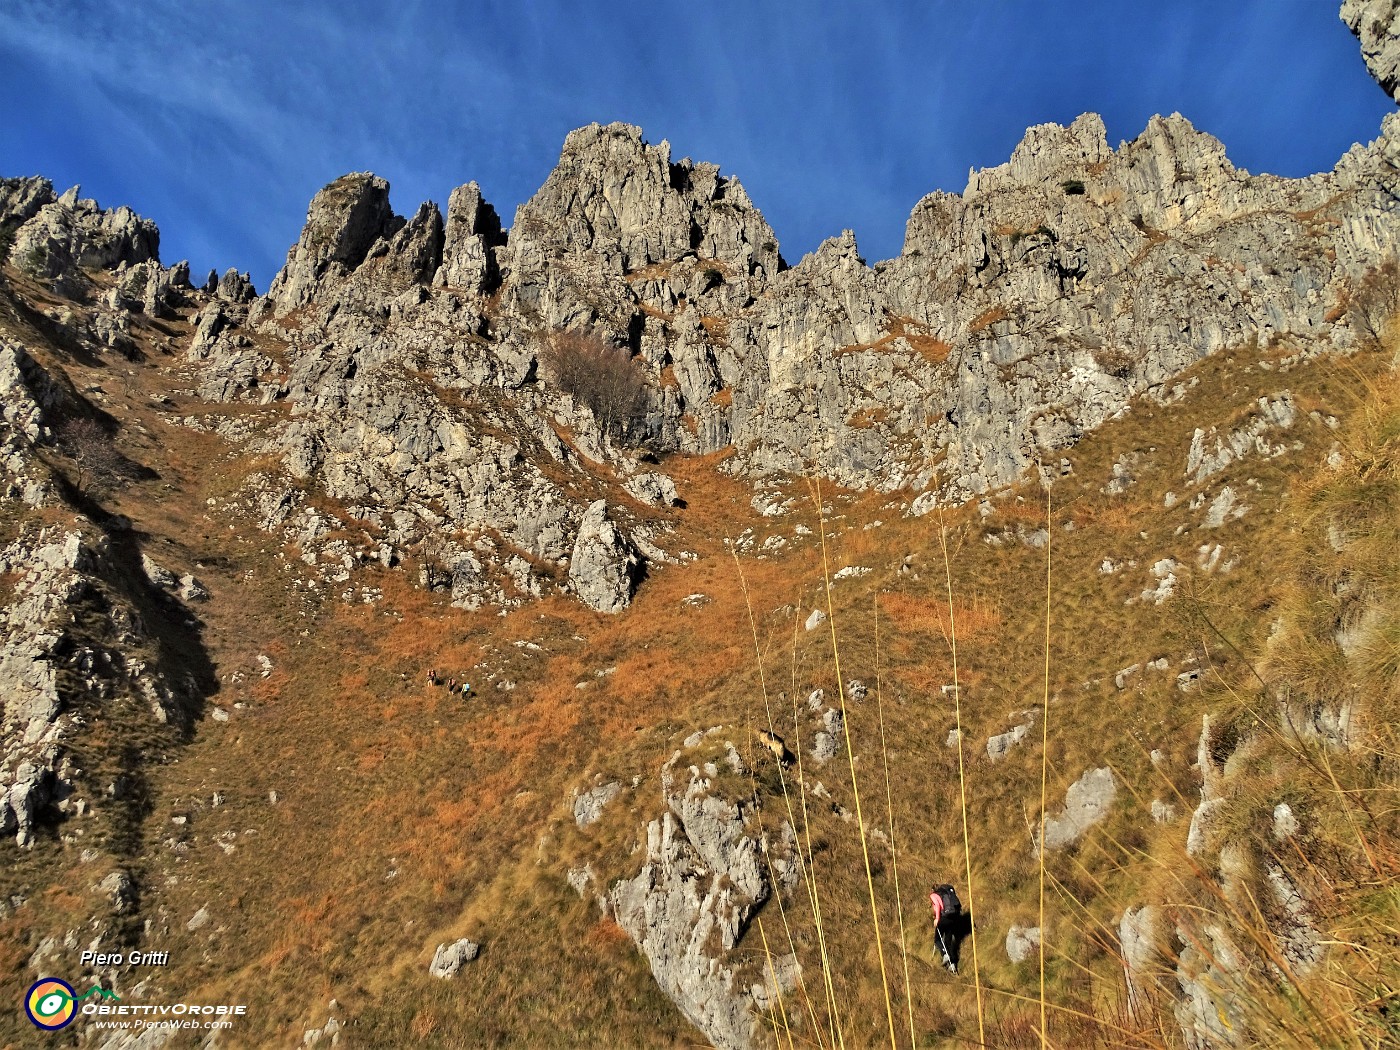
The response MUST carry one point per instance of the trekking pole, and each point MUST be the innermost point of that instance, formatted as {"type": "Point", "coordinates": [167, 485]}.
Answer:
{"type": "Point", "coordinates": [943, 947]}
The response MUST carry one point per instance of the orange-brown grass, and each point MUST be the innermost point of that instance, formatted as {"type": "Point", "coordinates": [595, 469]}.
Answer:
{"type": "Point", "coordinates": [865, 418]}
{"type": "Point", "coordinates": [977, 620]}
{"type": "Point", "coordinates": [914, 334]}
{"type": "Point", "coordinates": [987, 318]}
{"type": "Point", "coordinates": [715, 327]}
{"type": "Point", "coordinates": [1123, 515]}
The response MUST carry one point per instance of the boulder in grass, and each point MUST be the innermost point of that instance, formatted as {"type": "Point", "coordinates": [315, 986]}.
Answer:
{"type": "Point", "coordinates": [449, 958]}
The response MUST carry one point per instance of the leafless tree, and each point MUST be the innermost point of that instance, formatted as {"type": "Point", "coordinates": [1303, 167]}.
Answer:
{"type": "Point", "coordinates": [1374, 306]}
{"type": "Point", "coordinates": [604, 377]}
{"type": "Point", "coordinates": [92, 449]}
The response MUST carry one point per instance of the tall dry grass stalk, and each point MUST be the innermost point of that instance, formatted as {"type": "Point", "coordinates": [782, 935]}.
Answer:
{"type": "Point", "coordinates": [851, 762]}
{"type": "Point", "coordinates": [962, 775]}
{"type": "Point", "coordinates": [1044, 764]}
{"type": "Point", "coordinates": [894, 841]}
{"type": "Point", "coordinates": [807, 862]}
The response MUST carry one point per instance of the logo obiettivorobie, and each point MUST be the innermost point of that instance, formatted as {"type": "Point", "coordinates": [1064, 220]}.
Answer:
{"type": "Point", "coordinates": [52, 1004]}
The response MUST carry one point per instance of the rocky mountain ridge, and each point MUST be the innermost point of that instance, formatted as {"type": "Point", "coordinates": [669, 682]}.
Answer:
{"type": "Point", "coordinates": [391, 355]}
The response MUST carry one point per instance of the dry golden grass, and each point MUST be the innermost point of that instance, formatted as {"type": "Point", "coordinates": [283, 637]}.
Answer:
{"type": "Point", "coordinates": [987, 318]}
{"type": "Point", "coordinates": [866, 418]}
{"type": "Point", "coordinates": [914, 334]}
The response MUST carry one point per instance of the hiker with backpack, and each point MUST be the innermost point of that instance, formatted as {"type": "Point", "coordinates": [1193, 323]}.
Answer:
{"type": "Point", "coordinates": [949, 923]}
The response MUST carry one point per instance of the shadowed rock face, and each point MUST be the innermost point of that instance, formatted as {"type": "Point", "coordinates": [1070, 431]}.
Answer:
{"type": "Point", "coordinates": [343, 223]}
{"type": "Point", "coordinates": [1376, 24]}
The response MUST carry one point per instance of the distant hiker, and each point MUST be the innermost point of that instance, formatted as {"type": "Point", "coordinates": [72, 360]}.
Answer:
{"type": "Point", "coordinates": [949, 923]}
{"type": "Point", "coordinates": [466, 690]}
{"type": "Point", "coordinates": [452, 685]}
{"type": "Point", "coordinates": [774, 743]}
{"type": "Point", "coordinates": [432, 676]}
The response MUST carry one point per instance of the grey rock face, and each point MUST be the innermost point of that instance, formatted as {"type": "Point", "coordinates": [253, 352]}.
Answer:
{"type": "Point", "coordinates": [1298, 935]}
{"type": "Point", "coordinates": [1376, 24]}
{"type": "Point", "coordinates": [588, 806]}
{"type": "Point", "coordinates": [671, 910]}
{"type": "Point", "coordinates": [159, 576]}
{"type": "Point", "coordinates": [1208, 974]}
{"type": "Point", "coordinates": [472, 236]}
{"type": "Point", "coordinates": [47, 662]}
{"type": "Point", "coordinates": [1212, 753]}
{"type": "Point", "coordinates": [69, 233]}
{"type": "Point", "coordinates": [235, 287]}
{"type": "Point", "coordinates": [21, 199]}
{"type": "Point", "coordinates": [120, 891]}
{"type": "Point", "coordinates": [28, 396]}
{"type": "Point", "coordinates": [655, 489]}
{"type": "Point", "coordinates": [1285, 824]}
{"type": "Point", "coordinates": [999, 745]}
{"type": "Point", "coordinates": [605, 565]}
{"type": "Point", "coordinates": [450, 958]}
{"type": "Point", "coordinates": [1022, 942]}
{"type": "Point", "coordinates": [688, 908]}
{"type": "Point", "coordinates": [826, 745]}
{"type": "Point", "coordinates": [1140, 935]}
{"type": "Point", "coordinates": [1210, 454]}
{"type": "Point", "coordinates": [1020, 315]}
{"type": "Point", "coordinates": [343, 223]}
{"type": "Point", "coordinates": [1086, 803]}
{"type": "Point", "coordinates": [624, 201]}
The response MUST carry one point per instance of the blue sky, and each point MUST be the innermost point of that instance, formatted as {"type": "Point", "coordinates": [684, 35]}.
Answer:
{"type": "Point", "coordinates": [220, 121]}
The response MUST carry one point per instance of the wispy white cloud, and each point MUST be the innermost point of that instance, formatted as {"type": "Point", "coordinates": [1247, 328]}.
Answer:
{"type": "Point", "coordinates": [221, 122]}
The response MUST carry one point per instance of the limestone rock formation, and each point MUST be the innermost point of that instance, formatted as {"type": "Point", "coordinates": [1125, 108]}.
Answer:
{"type": "Point", "coordinates": [450, 958]}
{"type": "Point", "coordinates": [605, 565]}
{"type": "Point", "coordinates": [344, 222]}
{"type": "Point", "coordinates": [1140, 935]}
{"type": "Point", "coordinates": [1376, 24]}
{"type": "Point", "coordinates": [28, 397]}
{"type": "Point", "coordinates": [470, 241]}
{"type": "Point", "coordinates": [687, 910]}
{"type": "Point", "coordinates": [588, 805]}
{"type": "Point", "coordinates": [1020, 315]}
{"type": "Point", "coordinates": [53, 662]}
{"type": "Point", "coordinates": [20, 201]}
{"type": "Point", "coordinates": [68, 232]}
{"type": "Point", "coordinates": [1086, 803]}
{"type": "Point", "coordinates": [1022, 942]}
{"type": "Point", "coordinates": [390, 386]}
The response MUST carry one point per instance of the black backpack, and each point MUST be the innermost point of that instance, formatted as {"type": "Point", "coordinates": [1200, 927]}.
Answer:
{"type": "Point", "coordinates": [951, 905]}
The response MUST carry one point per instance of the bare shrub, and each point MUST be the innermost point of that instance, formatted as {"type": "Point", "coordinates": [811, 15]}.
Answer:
{"type": "Point", "coordinates": [93, 450]}
{"type": "Point", "coordinates": [1374, 303]}
{"type": "Point", "coordinates": [604, 377]}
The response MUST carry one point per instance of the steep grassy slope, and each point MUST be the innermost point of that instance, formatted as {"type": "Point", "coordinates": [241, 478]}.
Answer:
{"type": "Point", "coordinates": [344, 817]}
